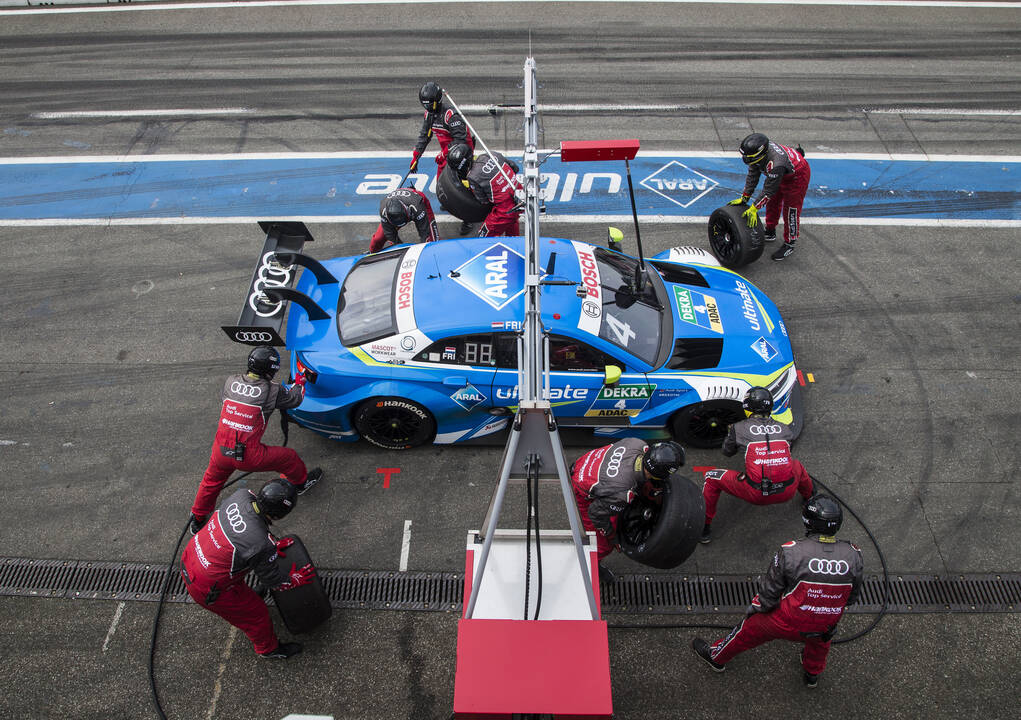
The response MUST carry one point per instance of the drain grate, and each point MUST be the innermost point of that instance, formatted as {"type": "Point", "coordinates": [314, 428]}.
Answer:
{"type": "Point", "coordinates": [443, 591]}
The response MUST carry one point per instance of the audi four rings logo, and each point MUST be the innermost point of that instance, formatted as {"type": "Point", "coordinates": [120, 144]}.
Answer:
{"type": "Point", "coordinates": [764, 430]}
{"type": "Point", "coordinates": [237, 523]}
{"type": "Point", "coordinates": [828, 567]}
{"type": "Point", "coordinates": [248, 336]}
{"type": "Point", "coordinates": [245, 390]}
{"type": "Point", "coordinates": [613, 466]}
{"type": "Point", "coordinates": [271, 274]}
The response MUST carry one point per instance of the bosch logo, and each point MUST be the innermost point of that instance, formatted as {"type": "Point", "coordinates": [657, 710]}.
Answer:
{"type": "Point", "coordinates": [591, 308]}
{"type": "Point", "coordinates": [270, 274]}
{"type": "Point", "coordinates": [409, 263]}
{"type": "Point", "coordinates": [404, 285]}
{"type": "Point", "coordinates": [253, 336]}
{"type": "Point", "coordinates": [237, 523]}
{"type": "Point", "coordinates": [764, 430]}
{"type": "Point", "coordinates": [245, 390]}
{"type": "Point", "coordinates": [828, 567]}
{"type": "Point", "coordinates": [589, 273]}
{"type": "Point", "coordinates": [613, 466]}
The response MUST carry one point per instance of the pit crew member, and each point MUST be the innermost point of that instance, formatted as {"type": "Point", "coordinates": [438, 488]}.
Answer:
{"type": "Point", "coordinates": [247, 401]}
{"type": "Point", "coordinates": [607, 479]}
{"type": "Point", "coordinates": [801, 597]}
{"type": "Point", "coordinates": [787, 176]}
{"type": "Point", "coordinates": [398, 209]}
{"type": "Point", "coordinates": [482, 175]}
{"type": "Point", "coordinates": [237, 540]}
{"type": "Point", "coordinates": [770, 474]}
{"type": "Point", "coordinates": [443, 122]}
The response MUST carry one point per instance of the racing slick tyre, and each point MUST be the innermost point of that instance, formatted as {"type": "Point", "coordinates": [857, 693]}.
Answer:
{"type": "Point", "coordinates": [705, 424]}
{"type": "Point", "coordinates": [307, 606]}
{"type": "Point", "coordinates": [731, 240]}
{"type": "Point", "coordinates": [458, 200]}
{"type": "Point", "coordinates": [663, 531]}
{"type": "Point", "coordinates": [394, 423]}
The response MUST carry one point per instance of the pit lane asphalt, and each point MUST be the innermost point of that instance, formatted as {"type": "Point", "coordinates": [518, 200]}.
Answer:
{"type": "Point", "coordinates": [116, 358]}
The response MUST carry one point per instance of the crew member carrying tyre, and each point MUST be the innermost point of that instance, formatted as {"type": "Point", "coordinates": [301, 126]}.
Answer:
{"type": "Point", "coordinates": [770, 474]}
{"type": "Point", "coordinates": [399, 208]}
{"type": "Point", "coordinates": [235, 541]}
{"type": "Point", "coordinates": [607, 479]}
{"type": "Point", "coordinates": [801, 597]}
{"type": "Point", "coordinates": [486, 177]}
{"type": "Point", "coordinates": [787, 176]}
{"type": "Point", "coordinates": [247, 401]}
{"type": "Point", "coordinates": [443, 122]}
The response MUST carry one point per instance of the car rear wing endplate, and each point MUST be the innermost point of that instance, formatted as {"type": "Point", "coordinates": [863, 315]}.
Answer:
{"type": "Point", "coordinates": [262, 315]}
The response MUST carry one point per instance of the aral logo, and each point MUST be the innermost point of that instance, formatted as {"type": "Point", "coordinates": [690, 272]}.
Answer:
{"type": "Point", "coordinates": [763, 348]}
{"type": "Point", "coordinates": [468, 397]}
{"type": "Point", "coordinates": [496, 275]}
{"type": "Point", "coordinates": [678, 183]}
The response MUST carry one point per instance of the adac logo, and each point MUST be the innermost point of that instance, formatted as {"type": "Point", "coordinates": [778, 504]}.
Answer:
{"type": "Point", "coordinates": [678, 183]}
{"type": "Point", "coordinates": [468, 397]}
{"type": "Point", "coordinates": [763, 348]}
{"type": "Point", "coordinates": [496, 275]}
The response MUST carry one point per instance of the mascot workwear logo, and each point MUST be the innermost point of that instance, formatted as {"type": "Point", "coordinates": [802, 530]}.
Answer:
{"type": "Point", "coordinates": [828, 567]}
{"type": "Point", "coordinates": [469, 397]}
{"type": "Point", "coordinates": [679, 184]}
{"type": "Point", "coordinates": [245, 390]}
{"type": "Point", "coordinates": [496, 275]}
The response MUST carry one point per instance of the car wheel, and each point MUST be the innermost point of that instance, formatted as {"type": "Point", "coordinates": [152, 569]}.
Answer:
{"type": "Point", "coordinates": [458, 200]}
{"type": "Point", "coordinates": [663, 531]}
{"type": "Point", "coordinates": [394, 423]}
{"type": "Point", "coordinates": [731, 240]}
{"type": "Point", "coordinates": [705, 424]}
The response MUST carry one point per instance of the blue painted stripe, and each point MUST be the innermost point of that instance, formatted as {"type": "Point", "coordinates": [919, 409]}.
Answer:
{"type": "Point", "coordinates": [670, 186]}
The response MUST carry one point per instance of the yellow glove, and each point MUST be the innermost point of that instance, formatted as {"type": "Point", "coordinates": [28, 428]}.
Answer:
{"type": "Point", "coordinates": [738, 201]}
{"type": "Point", "coordinates": [751, 215]}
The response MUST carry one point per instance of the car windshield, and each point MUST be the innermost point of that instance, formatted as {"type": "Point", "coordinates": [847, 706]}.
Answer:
{"type": "Point", "coordinates": [631, 320]}
{"type": "Point", "coordinates": [365, 309]}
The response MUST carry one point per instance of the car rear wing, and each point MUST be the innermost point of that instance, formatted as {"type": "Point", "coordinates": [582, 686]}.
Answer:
{"type": "Point", "coordinates": [272, 285]}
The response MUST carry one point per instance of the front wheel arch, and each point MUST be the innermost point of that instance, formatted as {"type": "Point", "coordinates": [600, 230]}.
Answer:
{"type": "Point", "coordinates": [705, 424]}
{"type": "Point", "coordinates": [394, 423]}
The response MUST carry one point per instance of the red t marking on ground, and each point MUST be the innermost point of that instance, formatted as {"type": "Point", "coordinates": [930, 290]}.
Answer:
{"type": "Point", "coordinates": [386, 473]}
{"type": "Point", "coordinates": [702, 468]}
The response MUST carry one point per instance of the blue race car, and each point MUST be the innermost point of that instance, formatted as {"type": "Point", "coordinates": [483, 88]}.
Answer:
{"type": "Point", "coordinates": [418, 343]}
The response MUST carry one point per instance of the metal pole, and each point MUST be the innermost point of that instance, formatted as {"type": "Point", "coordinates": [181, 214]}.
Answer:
{"type": "Point", "coordinates": [478, 137]}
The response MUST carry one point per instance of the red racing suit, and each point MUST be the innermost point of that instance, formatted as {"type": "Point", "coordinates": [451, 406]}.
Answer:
{"type": "Point", "coordinates": [770, 476]}
{"type": "Point", "coordinates": [448, 127]}
{"type": "Point", "coordinates": [605, 481]}
{"type": "Point", "coordinates": [418, 208]}
{"type": "Point", "coordinates": [489, 185]}
{"type": "Point", "coordinates": [787, 176]}
{"type": "Point", "coordinates": [801, 598]}
{"type": "Point", "coordinates": [214, 564]}
{"type": "Point", "coordinates": [247, 403]}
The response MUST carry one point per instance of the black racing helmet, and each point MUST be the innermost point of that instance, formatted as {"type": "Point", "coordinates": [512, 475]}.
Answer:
{"type": "Point", "coordinates": [753, 148]}
{"type": "Point", "coordinates": [276, 498]}
{"type": "Point", "coordinates": [395, 212]}
{"type": "Point", "coordinates": [431, 95]}
{"type": "Point", "coordinates": [663, 459]}
{"type": "Point", "coordinates": [264, 361]}
{"type": "Point", "coordinates": [460, 158]}
{"type": "Point", "coordinates": [822, 514]}
{"type": "Point", "coordinates": [758, 401]}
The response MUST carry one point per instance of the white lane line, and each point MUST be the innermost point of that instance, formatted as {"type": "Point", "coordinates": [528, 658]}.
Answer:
{"type": "Point", "coordinates": [941, 111]}
{"type": "Point", "coordinates": [113, 626]}
{"type": "Point", "coordinates": [583, 108]}
{"type": "Point", "coordinates": [218, 685]}
{"type": "Point", "coordinates": [405, 546]}
{"type": "Point", "coordinates": [565, 220]}
{"type": "Point", "coordinates": [139, 113]}
{"type": "Point", "coordinates": [150, 5]}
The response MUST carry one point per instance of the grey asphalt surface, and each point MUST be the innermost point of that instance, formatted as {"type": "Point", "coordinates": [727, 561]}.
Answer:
{"type": "Point", "coordinates": [116, 357]}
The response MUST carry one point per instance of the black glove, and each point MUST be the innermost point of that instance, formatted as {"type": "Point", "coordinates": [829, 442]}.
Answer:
{"type": "Point", "coordinates": [197, 522]}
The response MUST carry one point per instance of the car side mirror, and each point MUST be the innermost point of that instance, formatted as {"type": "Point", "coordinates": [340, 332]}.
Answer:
{"type": "Point", "coordinates": [611, 375]}
{"type": "Point", "coordinates": [614, 237]}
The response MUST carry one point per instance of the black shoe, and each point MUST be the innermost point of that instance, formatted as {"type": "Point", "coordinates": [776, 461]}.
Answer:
{"type": "Point", "coordinates": [701, 648]}
{"type": "Point", "coordinates": [606, 576]}
{"type": "Point", "coordinates": [706, 531]}
{"type": "Point", "coordinates": [784, 251]}
{"type": "Point", "coordinates": [465, 228]}
{"type": "Point", "coordinates": [811, 680]}
{"type": "Point", "coordinates": [282, 651]}
{"type": "Point", "coordinates": [314, 476]}
{"type": "Point", "coordinates": [769, 235]}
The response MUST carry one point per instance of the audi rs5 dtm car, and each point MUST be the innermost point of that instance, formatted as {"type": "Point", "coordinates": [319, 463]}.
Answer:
{"type": "Point", "coordinates": [418, 343]}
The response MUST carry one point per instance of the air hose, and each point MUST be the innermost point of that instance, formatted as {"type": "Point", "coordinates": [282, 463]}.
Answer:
{"type": "Point", "coordinates": [837, 641]}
